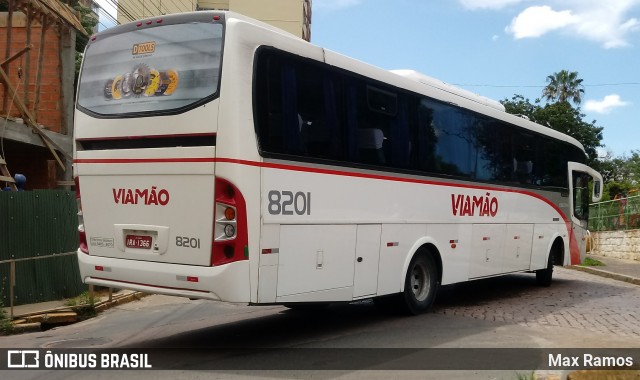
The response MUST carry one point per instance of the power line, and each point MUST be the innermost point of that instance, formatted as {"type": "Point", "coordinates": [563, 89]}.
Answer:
{"type": "Point", "coordinates": [122, 9]}
{"type": "Point", "coordinates": [101, 11]}
{"type": "Point", "coordinates": [540, 86]}
{"type": "Point", "coordinates": [107, 16]}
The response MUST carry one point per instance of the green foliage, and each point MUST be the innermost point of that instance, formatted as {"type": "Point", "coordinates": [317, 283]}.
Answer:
{"type": "Point", "coordinates": [589, 262]}
{"type": "Point", "coordinates": [84, 299]}
{"type": "Point", "coordinates": [621, 174]}
{"type": "Point", "coordinates": [564, 86]}
{"type": "Point", "coordinates": [5, 322]}
{"type": "Point", "coordinates": [611, 189]}
{"type": "Point", "coordinates": [525, 376]}
{"type": "Point", "coordinates": [83, 305]}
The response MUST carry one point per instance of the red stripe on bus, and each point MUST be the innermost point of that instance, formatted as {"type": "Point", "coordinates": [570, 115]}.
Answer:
{"type": "Point", "coordinates": [384, 178]}
{"type": "Point", "coordinates": [146, 137]}
{"type": "Point", "coordinates": [573, 244]}
{"type": "Point", "coordinates": [574, 249]}
{"type": "Point", "coordinates": [309, 170]}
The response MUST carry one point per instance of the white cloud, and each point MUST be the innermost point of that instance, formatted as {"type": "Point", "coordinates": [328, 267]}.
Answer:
{"type": "Point", "coordinates": [488, 4]}
{"type": "Point", "coordinates": [605, 105]}
{"type": "Point", "coordinates": [536, 21]}
{"type": "Point", "coordinates": [335, 4]}
{"type": "Point", "coordinates": [606, 22]}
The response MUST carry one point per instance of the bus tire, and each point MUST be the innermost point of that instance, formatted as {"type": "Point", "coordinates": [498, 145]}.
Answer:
{"type": "Point", "coordinates": [544, 276]}
{"type": "Point", "coordinates": [421, 284]}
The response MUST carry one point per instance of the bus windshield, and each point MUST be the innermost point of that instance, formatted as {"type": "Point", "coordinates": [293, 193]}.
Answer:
{"type": "Point", "coordinates": [165, 69]}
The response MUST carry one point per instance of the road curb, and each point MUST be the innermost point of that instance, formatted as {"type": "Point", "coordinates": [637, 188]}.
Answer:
{"type": "Point", "coordinates": [31, 322]}
{"type": "Point", "coordinates": [607, 274]}
{"type": "Point", "coordinates": [119, 300]}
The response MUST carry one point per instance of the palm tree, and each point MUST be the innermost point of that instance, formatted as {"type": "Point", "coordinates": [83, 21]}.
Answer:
{"type": "Point", "coordinates": [564, 86]}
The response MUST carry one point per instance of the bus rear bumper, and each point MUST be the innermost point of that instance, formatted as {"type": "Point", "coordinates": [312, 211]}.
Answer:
{"type": "Point", "coordinates": [229, 283]}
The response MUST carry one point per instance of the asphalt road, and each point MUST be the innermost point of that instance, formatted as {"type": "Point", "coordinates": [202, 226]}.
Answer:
{"type": "Point", "coordinates": [579, 310]}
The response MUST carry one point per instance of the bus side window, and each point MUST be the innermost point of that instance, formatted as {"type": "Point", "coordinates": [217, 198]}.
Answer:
{"type": "Point", "coordinates": [426, 139]}
{"type": "Point", "coordinates": [291, 128]}
{"type": "Point", "coordinates": [268, 107]}
{"type": "Point", "coordinates": [317, 99]}
{"type": "Point", "coordinates": [400, 136]}
{"type": "Point", "coordinates": [524, 157]}
{"type": "Point", "coordinates": [371, 142]}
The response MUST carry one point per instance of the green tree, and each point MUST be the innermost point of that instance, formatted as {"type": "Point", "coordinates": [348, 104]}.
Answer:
{"type": "Point", "coordinates": [564, 86]}
{"type": "Point", "coordinates": [613, 169]}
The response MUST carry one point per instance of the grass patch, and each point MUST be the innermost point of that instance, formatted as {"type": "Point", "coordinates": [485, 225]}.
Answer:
{"type": "Point", "coordinates": [5, 322]}
{"type": "Point", "coordinates": [525, 376]}
{"type": "Point", "coordinates": [589, 262]}
{"type": "Point", "coordinates": [84, 305]}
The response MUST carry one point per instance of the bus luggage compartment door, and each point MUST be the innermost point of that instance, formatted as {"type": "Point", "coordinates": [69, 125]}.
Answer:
{"type": "Point", "coordinates": [487, 250]}
{"type": "Point", "coordinates": [316, 259]}
{"type": "Point", "coordinates": [365, 279]}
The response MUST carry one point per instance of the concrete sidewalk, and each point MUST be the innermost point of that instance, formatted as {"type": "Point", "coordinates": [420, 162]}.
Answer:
{"type": "Point", "coordinates": [617, 269]}
{"type": "Point", "coordinates": [29, 317]}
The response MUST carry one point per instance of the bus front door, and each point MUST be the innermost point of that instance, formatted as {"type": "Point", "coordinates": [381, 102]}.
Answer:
{"type": "Point", "coordinates": [580, 197]}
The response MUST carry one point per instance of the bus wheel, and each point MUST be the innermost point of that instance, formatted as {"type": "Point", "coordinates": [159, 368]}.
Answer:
{"type": "Point", "coordinates": [421, 284]}
{"type": "Point", "coordinates": [544, 276]}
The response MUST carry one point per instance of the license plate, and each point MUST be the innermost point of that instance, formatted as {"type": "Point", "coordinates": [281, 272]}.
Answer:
{"type": "Point", "coordinates": [138, 241]}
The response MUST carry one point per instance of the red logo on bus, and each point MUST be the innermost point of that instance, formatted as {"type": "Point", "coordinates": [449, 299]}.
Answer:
{"type": "Point", "coordinates": [466, 205]}
{"type": "Point", "coordinates": [141, 196]}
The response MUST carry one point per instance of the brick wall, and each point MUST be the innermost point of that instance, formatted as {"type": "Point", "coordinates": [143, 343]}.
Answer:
{"type": "Point", "coordinates": [34, 162]}
{"type": "Point", "coordinates": [49, 109]}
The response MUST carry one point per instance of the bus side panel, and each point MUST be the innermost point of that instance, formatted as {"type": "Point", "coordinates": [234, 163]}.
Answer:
{"type": "Point", "coordinates": [269, 257]}
{"type": "Point", "coordinates": [488, 249]}
{"type": "Point", "coordinates": [316, 258]}
{"type": "Point", "coordinates": [517, 253]}
{"type": "Point", "coordinates": [365, 279]}
{"type": "Point", "coordinates": [454, 246]}
{"type": "Point", "coordinates": [397, 243]}
{"type": "Point", "coordinates": [543, 237]}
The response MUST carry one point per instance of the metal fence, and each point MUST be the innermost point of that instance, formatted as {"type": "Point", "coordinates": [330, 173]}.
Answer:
{"type": "Point", "coordinates": [618, 214]}
{"type": "Point", "coordinates": [38, 233]}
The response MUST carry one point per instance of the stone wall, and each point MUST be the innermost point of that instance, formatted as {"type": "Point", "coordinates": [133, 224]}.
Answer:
{"type": "Point", "coordinates": [617, 244]}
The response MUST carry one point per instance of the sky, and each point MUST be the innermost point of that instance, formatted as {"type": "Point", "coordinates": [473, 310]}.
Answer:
{"type": "Point", "coordinates": [498, 48]}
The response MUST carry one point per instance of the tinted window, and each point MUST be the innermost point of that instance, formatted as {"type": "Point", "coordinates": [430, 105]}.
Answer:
{"type": "Point", "coordinates": [163, 68]}
{"type": "Point", "coordinates": [581, 195]}
{"type": "Point", "coordinates": [308, 111]}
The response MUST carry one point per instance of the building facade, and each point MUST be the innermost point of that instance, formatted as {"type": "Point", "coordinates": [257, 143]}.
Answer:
{"type": "Point", "coordinates": [293, 16]}
{"type": "Point", "coordinates": [38, 40]}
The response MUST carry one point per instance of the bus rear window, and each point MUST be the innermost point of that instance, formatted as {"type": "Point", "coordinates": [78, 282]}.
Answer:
{"type": "Point", "coordinates": [163, 69]}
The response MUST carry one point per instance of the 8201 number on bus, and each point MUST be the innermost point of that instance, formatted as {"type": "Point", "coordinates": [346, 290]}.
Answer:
{"type": "Point", "coordinates": [288, 203]}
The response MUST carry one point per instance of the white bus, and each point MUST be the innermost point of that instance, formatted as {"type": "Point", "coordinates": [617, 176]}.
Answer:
{"type": "Point", "coordinates": [220, 158]}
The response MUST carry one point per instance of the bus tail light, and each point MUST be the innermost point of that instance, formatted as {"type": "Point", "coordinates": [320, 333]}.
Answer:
{"type": "Point", "coordinates": [82, 236]}
{"type": "Point", "coordinates": [230, 225]}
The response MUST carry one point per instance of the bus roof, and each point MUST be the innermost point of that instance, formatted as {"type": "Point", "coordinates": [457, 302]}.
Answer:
{"type": "Point", "coordinates": [433, 82]}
